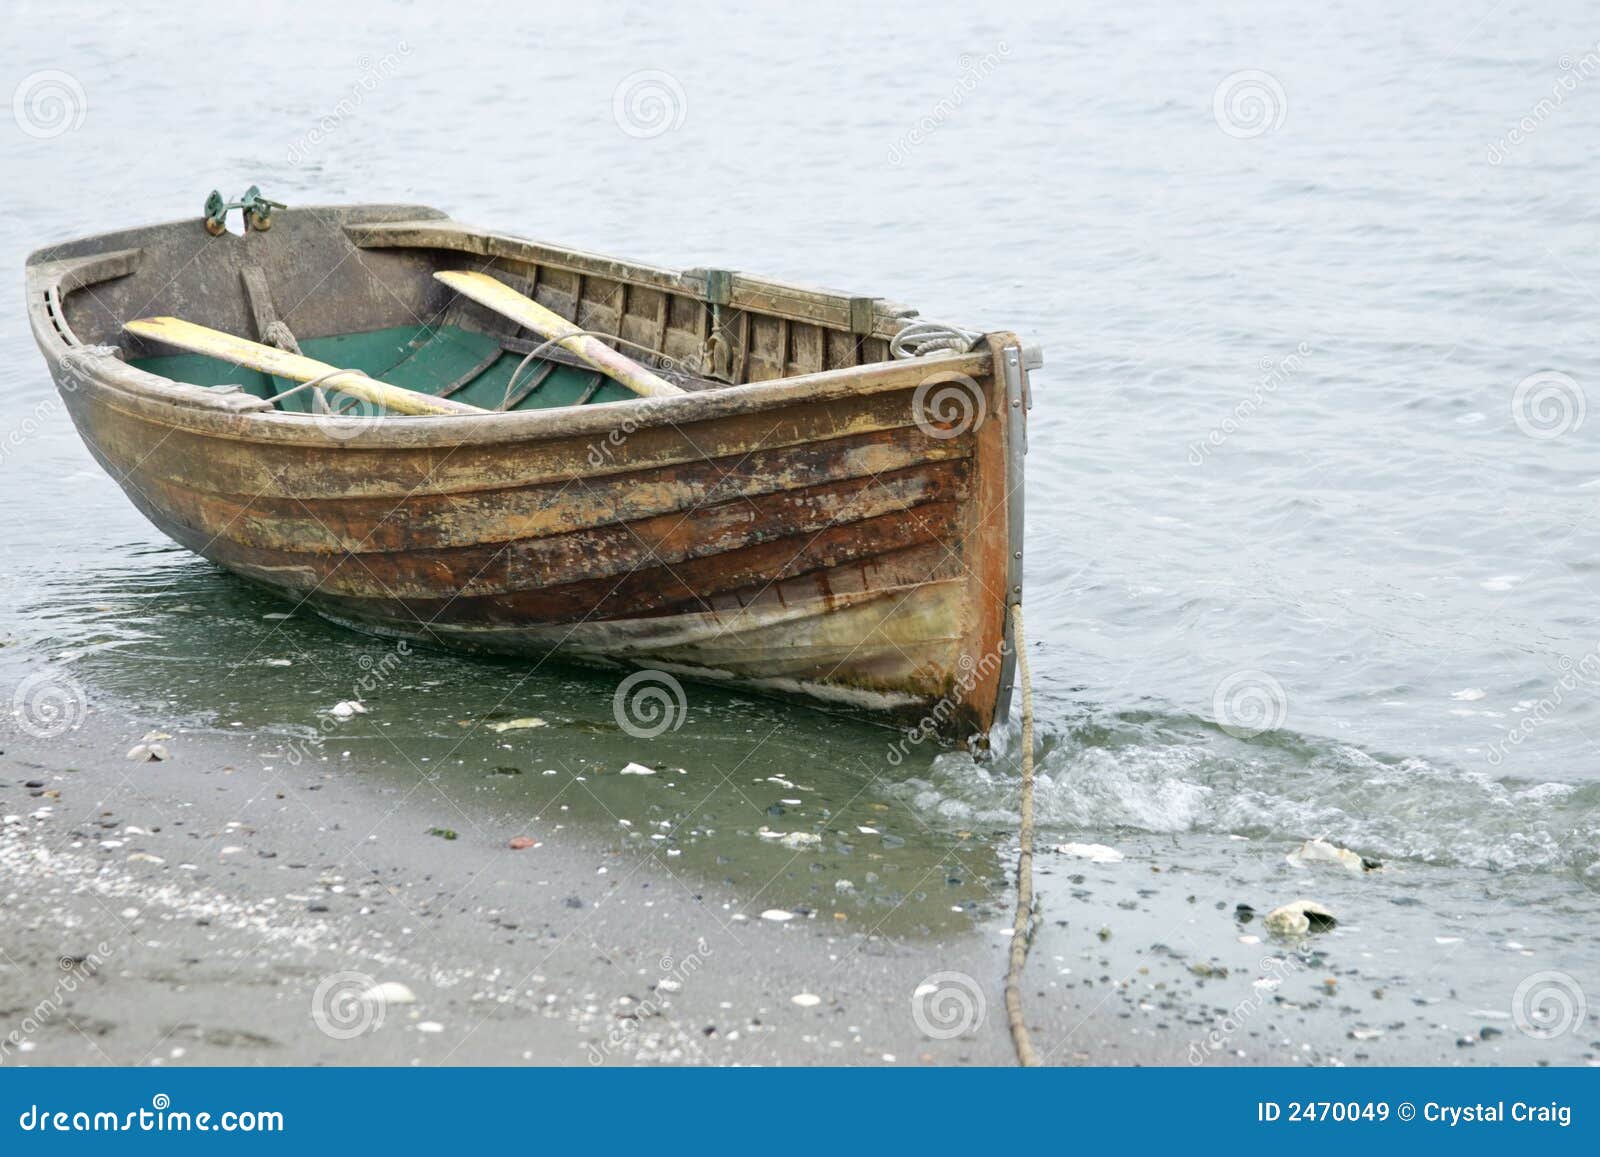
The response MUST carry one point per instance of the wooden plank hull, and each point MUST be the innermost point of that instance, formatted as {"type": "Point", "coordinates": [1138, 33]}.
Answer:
{"type": "Point", "coordinates": [824, 536]}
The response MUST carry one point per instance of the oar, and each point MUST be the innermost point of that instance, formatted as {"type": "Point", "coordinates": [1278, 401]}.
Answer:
{"type": "Point", "coordinates": [523, 310]}
{"type": "Point", "coordinates": [199, 339]}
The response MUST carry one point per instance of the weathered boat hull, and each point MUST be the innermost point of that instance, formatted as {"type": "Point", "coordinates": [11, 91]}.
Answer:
{"type": "Point", "coordinates": [841, 535]}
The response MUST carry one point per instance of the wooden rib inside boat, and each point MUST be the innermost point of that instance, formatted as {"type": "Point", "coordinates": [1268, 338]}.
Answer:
{"type": "Point", "coordinates": [793, 509]}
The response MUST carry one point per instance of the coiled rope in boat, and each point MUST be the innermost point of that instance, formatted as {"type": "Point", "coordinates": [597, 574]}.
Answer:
{"type": "Point", "coordinates": [920, 338]}
{"type": "Point", "coordinates": [1022, 923]}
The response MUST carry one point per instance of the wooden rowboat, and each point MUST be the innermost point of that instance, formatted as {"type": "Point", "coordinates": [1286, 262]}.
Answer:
{"type": "Point", "coordinates": [797, 510]}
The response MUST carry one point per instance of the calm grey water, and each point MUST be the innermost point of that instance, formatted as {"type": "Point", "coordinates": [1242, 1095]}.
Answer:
{"type": "Point", "coordinates": [1289, 269]}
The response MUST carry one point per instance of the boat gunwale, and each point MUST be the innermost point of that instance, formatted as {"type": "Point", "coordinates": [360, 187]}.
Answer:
{"type": "Point", "coordinates": [53, 272]}
{"type": "Point", "coordinates": [246, 418]}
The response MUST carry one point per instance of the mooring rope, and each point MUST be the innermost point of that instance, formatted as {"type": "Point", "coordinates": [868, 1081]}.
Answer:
{"type": "Point", "coordinates": [1022, 924]}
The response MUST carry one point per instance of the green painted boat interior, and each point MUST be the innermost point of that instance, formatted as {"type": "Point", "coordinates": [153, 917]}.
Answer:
{"type": "Point", "coordinates": [440, 360]}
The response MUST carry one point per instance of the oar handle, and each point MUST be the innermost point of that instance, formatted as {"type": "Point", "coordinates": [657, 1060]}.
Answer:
{"type": "Point", "coordinates": [199, 339]}
{"type": "Point", "coordinates": [507, 302]}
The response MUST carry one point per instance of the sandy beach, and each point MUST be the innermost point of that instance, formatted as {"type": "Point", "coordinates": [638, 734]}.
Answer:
{"type": "Point", "coordinates": [203, 910]}
{"type": "Point", "coordinates": [214, 899]}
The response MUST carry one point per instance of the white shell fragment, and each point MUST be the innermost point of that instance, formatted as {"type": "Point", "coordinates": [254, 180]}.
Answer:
{"type": "Point", "coordinates": [638, 769]}
{"type": "Point", "coordinates": [389, 992]}
{"type": "Point", "coordinates": [1298, 917]}
{"type": "Point", "coordinates": [806, 999]}
{"type": "Point", "coordinates": [1320, 851]}
{"type": "Point", "coordinates": [524, 724]}
{"type": "Point", "coordinates": [1095, 853]}
{"type": "Point", "coordinates": [791, 839]}
{"type": "Point", "coordinates": [777, 915]}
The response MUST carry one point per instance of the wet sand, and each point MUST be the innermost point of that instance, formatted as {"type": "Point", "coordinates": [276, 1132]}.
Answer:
{"type": "Point", "coordinates": [269, 884]}
{"type": "Point", "coordinates": [206, 910]}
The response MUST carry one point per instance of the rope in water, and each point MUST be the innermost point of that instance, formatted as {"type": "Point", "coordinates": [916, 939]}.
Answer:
{"type": "Point", "coordinates": [1022, 924]}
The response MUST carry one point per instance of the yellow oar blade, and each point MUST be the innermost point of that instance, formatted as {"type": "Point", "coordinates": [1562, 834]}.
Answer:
{"type": "Point", "coordinates": [523, 310]}
{"type": "Point", "coordinates": [199, 339]}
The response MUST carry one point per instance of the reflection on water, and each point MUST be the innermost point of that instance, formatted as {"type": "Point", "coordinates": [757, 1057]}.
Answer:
{"type": "Point", "coordinates": [790, 807]}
